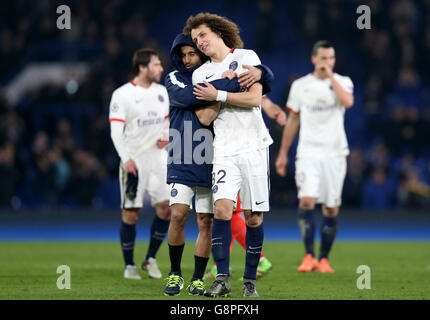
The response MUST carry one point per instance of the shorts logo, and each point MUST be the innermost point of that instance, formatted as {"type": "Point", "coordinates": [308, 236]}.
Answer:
{"type": "Point", "coordinates": [233, 65]}
{"type": "Point", "coordinates": [161, 98]}
{"type": "Point", "coordinates": [214, 188]}
{"type": "Point", "coordinates": [174, 192]}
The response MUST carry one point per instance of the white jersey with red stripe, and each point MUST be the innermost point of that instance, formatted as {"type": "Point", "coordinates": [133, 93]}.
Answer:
{"type": "Point", "coordinates": [322, 132]}
{"type": "Point", "coordinates": [237, 130]}
{"type": "Point", "coordinates": [145, 113]}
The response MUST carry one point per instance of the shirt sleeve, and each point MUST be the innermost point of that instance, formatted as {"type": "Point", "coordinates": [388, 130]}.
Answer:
{"type": "Point", "coordinates": [251, 58]}
{"type": "Point", "coordinates": [116, 108]}
{"type": "Point", "coordinates": [197, 76]}
{"type": "Point", "coordinates": [293, 102]}
{"type": "Point", "coordinates": [347, 84]}
{"type": "Point", "coordinates": [117, 135]}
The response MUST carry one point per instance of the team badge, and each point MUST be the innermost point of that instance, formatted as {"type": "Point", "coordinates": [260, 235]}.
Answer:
{"type": "Point", "coordinates": [233, 65]}
{"type": "Point", "coordinates": [214, 188]}
{"type": "Point", "coordinates": [161, 98]}
{"type": "Point", "coordinates": [174, 192]}
{"type": "Point", "coordinates": [114, 107]}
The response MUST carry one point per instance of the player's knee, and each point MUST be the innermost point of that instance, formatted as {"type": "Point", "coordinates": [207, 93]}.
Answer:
{"type": "Point", "coordinates": [163, 210]}
{"type": "Point", "coordinates": [130, 216]}
{"type": "Point", "coordinates": [330, 212]}
{"type": "Point", "coordinates": [223, 209]}
{"type": "Point", "coordinates": [205, 222]}
{"type": "Point", "coordinates": [178, 218]}
{"type": "Point", "coordinates": [307, 203]}
{"type": "Point", "coordinates": [253, 219]}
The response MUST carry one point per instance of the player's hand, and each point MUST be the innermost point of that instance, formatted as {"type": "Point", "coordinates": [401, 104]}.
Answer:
{"type": "Point", "coordinates": [248, 78]}
{"type": "Point", "coordinates": [281, 164]}
{"type": "Point", "coordinates": [161, 143]}
{"type": "Point", "coordinates": [325, 68]}
{"type": "Point", "coordinates": [281, 118]}
{"type": "Point", "coordinates": [208, 93]}
{"type": "Point", "coordinates": [229, 74]}
{"type": "Point", "coordinates": [130, 167]}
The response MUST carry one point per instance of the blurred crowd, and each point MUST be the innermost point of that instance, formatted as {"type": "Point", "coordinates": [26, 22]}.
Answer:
{"type": "Point", "coordinates": [55, 146]}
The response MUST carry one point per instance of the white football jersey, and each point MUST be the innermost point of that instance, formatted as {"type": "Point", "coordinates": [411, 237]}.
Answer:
{"type": "Point", "coordinates": [145, 113]}
{"type": "Point", "coordinates": [322, 132]}
{"type": "Point", "coordinates": [237, 129]}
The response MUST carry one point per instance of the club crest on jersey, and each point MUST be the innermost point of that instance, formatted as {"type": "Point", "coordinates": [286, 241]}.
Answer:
{"type": "Point", "coordinates": [161, 98]}
{"type": "Point", "coordinates": [174, 192]}
{"type": "Point", "coordinates": [214, 188]}
{"type": "Point", "coordinates": [114, 107]}
{"type": "Point", "coordinates": [233, 65]}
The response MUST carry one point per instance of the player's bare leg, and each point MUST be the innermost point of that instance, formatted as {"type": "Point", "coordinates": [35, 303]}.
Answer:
{"type": "Point", "coordinates": [221, 238]}
{"type": "Point", "coordinates": [307, 229]}
{"type": "Point", "coordinates": [202, 252]}
{"type": "Point", "coordinates": [328, 234]}
{"type": "Point", "coordinates": [176, 241]}
{"type": "Point", "coordinates": [129, 218]}
{"type": "Point", "coordinates": [159, 228]}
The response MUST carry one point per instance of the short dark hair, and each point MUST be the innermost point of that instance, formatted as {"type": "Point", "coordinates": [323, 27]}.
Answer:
{"type": "Point", "coordinates": [320, 44]}
{"type": "Point", "coordinates": [142, 57]}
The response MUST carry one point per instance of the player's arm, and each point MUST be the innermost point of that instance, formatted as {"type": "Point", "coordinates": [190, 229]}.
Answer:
{"type": "Point", "coordinates": [247, 99]}
{"type": "Point", "coordinates": [116, 133]}
{"type": "Point", "coordinates": [181, 93]}
{"type": "Point", "coordinates": [259, 73]}
{"type": "Point", "coordinates": [345, 98]}
{"type": "Point", "coordinates": [208, 113]}
{"type": "Point", "coordinates": [273, 111]}
{"type": "Point", "coordinates": [288, 135]}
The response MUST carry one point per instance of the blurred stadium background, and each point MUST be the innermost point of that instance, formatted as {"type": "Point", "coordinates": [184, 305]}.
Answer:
{"type": "Point", "coordinates": [57, 160]}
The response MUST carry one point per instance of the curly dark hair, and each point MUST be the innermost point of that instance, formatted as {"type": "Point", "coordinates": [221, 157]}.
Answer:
{"type": "Point", "coordinates": [228, 30]}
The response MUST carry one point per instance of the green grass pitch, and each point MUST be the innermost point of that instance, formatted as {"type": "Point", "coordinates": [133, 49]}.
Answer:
{"type": "Point", "coordinates": [399, 270]}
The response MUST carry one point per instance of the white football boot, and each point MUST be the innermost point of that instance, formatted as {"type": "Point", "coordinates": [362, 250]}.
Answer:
{"type": "Point", "coordinates": [151, 267]}
{"type": "Point", "coordinates": [130, 272]}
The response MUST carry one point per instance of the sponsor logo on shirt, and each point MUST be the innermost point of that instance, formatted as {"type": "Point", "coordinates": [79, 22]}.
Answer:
{"type": "Point", "coordinates": [215, 189]}
{"type": "Point", "coordinates": [161, 98]}
{"type": "Point", "coordinates": [174, 192]}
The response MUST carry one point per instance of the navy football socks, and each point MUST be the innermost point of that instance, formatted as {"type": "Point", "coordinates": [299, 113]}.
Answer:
{"type": "Point", "coordinates": [127, 235]}
{"type": "Point", "coordinates": [254, 245]}
{"type": "Point", "coordinates": [221, 238]}
{"type": "Point", "coordinates": [328, 233]}
{"type": "Point", "coordinates": [159, 229]}
{"type": "Point", "coordinates": [306, 222]}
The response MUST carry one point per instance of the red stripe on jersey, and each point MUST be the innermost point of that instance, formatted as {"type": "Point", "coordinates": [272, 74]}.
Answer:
{"type": "Point", "coordinates": [167, 116]}
{"type": "Point", "coordinates": [231, 50]}
{"type": "Point", "coordinates": [133, 83]}
{"type": "Point", "coordinates": [119, 120]}
{"type": "Point", "coordinates": [288, 108]}
{"type": "Point", "coordinates": [264, 97]}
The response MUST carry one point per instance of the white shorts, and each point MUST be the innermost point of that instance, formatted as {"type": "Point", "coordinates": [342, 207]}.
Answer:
{"type": "Point", "coordinates": [321, 179]}
{"type": "Point", "coordinates": [246, 174]}
{"type": "Point", "coordinates": [180, 193]}
{"type": "Point", "coordinates": [152, 175]}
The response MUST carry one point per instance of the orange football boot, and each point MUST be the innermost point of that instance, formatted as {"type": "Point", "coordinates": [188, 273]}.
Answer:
{"type": "Point", "coordinates": [309, 263]}
{"type": "Point", "coordinates": [324, 266]}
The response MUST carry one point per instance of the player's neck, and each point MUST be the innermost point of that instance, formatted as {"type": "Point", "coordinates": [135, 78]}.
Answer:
{"type": "Point", "coordinates": [320, 75]}
{"type": "Point", "coordinates": [220, 55]}
{"type": "Point", "coordinates": [141, 81]}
